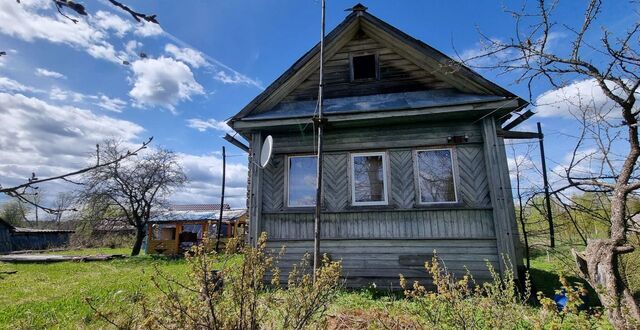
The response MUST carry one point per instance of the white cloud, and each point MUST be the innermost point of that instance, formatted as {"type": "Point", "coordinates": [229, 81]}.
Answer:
{"type": "Point", "coordinates": [522, 163]}
{"type": "Point", "coordinates": [24, 21]}
{"type": "Point", "coordinates": [110, 22]}
{"type": "Point", "coordinates": [203, 125]}
{"type": "Point", "coordinates": [582, 96]}
{"type": "Point", "coordinates": [163, 82]}
{"type": "Point", "coordinates": [105, 102]}
{"type": "Point", "coordinates": [5, 58]}
{"type": "Point", "coordinates": [235, 78]}
{"type": "Point", "coordinates": [187, 55]}
{"type": "Point", "coordinates": [50, 74]}
{"type": "Point", "coordinates": [59, 94]}
{"type": "Point", "coordinates": [147, 29]}
{"type": "Point", "coordinates": [205, 177]}
{"type": "Point", "coordinates": [111, 104]}
{"type": "Point", "coordinates": [219, 70]}
{"type": "Point", "coordinates": [48, 139]}
{"type": "Point", "coordinates": [10, 85]}
{"type": "Point", "coordinates": [132, 47]}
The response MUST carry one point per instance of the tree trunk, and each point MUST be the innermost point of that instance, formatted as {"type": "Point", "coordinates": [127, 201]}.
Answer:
{"type": "Point", "coordinates": [599, 266]}
{"type": "Point", "coordinates": [140, 233]}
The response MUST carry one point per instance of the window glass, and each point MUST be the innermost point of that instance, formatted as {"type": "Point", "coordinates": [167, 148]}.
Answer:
{"type": "Point", "coordinates": [435, 176]}
{"type": "Point", "coordinates": [163, 232]}
{"type": "Point", "coordinates": [364, 67]}
{"type": "Point", "coordinates": [213, 230]}
{"type": "Point", "coordinates": [302, 181]}
{"type": "Point", "coordinates": [368, 184]}
{"type": "Point", "coordinates": [195, 229]}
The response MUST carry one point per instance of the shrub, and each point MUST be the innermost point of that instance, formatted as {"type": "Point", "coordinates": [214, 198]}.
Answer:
{"type": "Point", "coordinates": [228, 291]}
{"type": "Point", "coordinates": [495, 304]}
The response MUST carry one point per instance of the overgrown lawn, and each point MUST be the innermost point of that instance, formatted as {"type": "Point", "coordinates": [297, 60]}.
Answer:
{"type": "Point", "coordinates": [53, 295]}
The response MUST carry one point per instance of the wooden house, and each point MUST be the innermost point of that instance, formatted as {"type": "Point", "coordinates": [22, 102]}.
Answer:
{"type": "Point", "coordinates": [414, 158]}
{"type": "Point", "coordinates": [175, 230]}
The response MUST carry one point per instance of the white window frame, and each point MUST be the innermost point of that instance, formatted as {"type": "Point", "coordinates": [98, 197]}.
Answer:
{"type": "Point", "coordinates": [416, 167]}
{"type": "Point", "coordinates": [289, 157]}
{"type": "Point", "coordinates": [385, 179]}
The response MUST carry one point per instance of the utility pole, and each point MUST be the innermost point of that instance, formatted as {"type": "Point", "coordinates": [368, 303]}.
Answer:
{"type": "Point", "coordinates": [547, 197]}
{"type": "Point", "coordinates": [224, 165]}
{"type": "Point", "coordinates": [319, 125]}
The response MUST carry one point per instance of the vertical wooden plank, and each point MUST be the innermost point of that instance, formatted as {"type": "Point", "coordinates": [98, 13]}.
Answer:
{"type": "Point", "coordinates": [255, 201]}
{"type": "Point", "coordinates": [518, 254]}
{"type": "Point", "coordinates": [497, 186]}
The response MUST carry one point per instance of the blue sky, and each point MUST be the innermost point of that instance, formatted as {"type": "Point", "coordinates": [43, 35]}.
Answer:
{"type": "Point", "coordinates": [63, 87]}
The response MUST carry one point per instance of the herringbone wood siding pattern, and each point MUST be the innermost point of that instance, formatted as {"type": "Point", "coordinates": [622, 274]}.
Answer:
{"type": "Point", "coordinates": [273, 184]}
{"type": "Point", "coordinates": [336, 182]}
{"type": "Point", "coordinates": [402, 181]}
{"type": "Point", "coordinates": [474, 184]}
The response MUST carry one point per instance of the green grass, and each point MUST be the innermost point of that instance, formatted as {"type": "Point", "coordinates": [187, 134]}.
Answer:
{"type": "Point", "coordinates": [93, 251]}
{"type": "Point", "coordinates": [545, 274]}
{"type": "Point", "coordinates": [53, 295]}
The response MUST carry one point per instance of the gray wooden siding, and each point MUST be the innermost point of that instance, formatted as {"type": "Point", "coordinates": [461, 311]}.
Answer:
{"type": "Point", "coordinates": [5, 239]}
{"type": "Point", "coordinates": [500, 190]}
{"type": "Point", "coordinates": [336, 182]}
{"type": "Point", "coordinates": [403, 193]}
{"type": "Point", "coordinates": [362, 138]}
{"type": "Point", "coordinates": [255, 191]}
{"type": "Point", "coordinates": [381, 261]}
{"type": "Point", "coordinates": [396, 74]}
{"type": "Point", "coordinates": [473, 186]}
{"type": "Point", "coordinates": [273, 192]}
{"type": "Point", "coordinates": [472, 183]}
{"type": "Point", "coordinates": [377, 243]}
{"type": "Point", "coordinates": [417, 224]}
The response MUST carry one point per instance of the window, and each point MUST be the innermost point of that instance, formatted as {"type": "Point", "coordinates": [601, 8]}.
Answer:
{"type": "Point", "coordinates": [436, 179]}
{"type": "Point", "coordinates": [301, 181]}
{"type": "Point", "coordinates": [213, 230]}
{"type": "Point", "coordinates": [364, 67]}
{"type": "Point", "coordinates": [195, 230]}
{"type": "Point", "coordinates": [368, 176]}
{"type": "Point", "coordinates": [163, 232]}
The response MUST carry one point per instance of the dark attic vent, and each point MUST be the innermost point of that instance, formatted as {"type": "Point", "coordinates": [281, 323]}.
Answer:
{"type": "Point", "coordinates": [364, 67]}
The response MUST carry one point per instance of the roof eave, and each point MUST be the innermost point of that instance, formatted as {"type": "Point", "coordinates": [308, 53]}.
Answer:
{"type": "Point", "coordinates": [494, 107]}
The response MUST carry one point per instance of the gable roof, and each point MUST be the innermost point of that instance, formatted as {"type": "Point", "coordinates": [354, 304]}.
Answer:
{"type": "Point", "coordinates": [428, 58]}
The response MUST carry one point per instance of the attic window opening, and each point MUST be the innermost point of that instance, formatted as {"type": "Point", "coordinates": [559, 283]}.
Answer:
{"type": "Point", "coordinates": [364, 67]}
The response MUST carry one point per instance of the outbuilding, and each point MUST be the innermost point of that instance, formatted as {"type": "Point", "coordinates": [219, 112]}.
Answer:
{"type": "Point", "coordinates": [175, 230]}
{"type": "Point", "coordinates": [20, 239]}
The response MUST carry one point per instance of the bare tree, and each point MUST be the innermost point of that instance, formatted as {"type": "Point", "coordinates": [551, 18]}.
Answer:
{"type": "Point", "coordinates": [136, 186]}
{"type": "Point", "coordinates": [22, 191]}
{"type": "Point", "coordinates": [613, 63]}
{"type": "Point", "coordinates": [63, 203]}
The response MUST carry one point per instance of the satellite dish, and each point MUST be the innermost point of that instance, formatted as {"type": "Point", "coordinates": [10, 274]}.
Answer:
{"type": "Point", "coordinates": [266, 152]}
